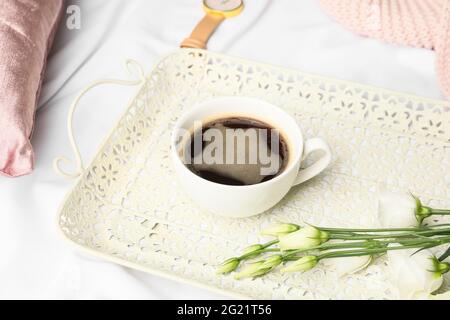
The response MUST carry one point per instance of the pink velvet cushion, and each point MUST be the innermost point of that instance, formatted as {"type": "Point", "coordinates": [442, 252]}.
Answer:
{"type": "Point", "coordinates": [26, 31]}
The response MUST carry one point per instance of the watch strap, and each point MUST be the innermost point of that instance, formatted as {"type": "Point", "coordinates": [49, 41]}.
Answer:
{"type": "Point", "coordinates": [203, 31]}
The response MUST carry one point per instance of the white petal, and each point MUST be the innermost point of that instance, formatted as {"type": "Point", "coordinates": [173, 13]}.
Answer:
{"type": "Point", "coordinates": [422, 295]}
{"type": "Point", "coordinates": [410, 271]}
{"type": "Point", "coordinates": [396, 210]}
{"type": "Point", "coordinates": [350, 265]}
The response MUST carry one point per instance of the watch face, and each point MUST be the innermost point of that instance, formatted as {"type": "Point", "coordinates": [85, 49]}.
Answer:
{"type": "Point", "coordinates": [223, 5]}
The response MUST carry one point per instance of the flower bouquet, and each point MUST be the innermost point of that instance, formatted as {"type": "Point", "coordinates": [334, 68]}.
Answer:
{"type": "Point", "coordinates": [404, 237]}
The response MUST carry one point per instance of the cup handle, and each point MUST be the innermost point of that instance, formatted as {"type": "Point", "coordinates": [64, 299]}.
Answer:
{"type": "Point", "coordinates": [315, 144]}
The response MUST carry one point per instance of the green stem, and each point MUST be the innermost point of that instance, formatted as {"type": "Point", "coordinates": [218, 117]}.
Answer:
{"type": "Point", "coordinates": [417, 237]}
{"type": "Point", "coordinates": [349, 234]}
{"type": "Point", "coordinates": [356, 236]}
{"type": "Point", "coordinates": [442, 212]}
{"type": "Point", "coordinates": [322, 247]}
{"type": "Point", "coordinates": [327, 246]}
{"type": "Point", "coordinates": [418, 229]}
{"type": "Point", "coordinates": [339, 230]}
{"type": "Point", "coordinates": [258, 252]}
{"type": "Point", "coordinates": [356, 253]}
{"type": "Point", "coordinates": [254, 254]}
{"type": "Point", "coordinates": [437, 226]}
{"type": "Point", "coordinates": [270, 243]}
{"type": "Point", "coordinates": [367, 245]}
{"type": "Point", "coordinates": [413, 230]}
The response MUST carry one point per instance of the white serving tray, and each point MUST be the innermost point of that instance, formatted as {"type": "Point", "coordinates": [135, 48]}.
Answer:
{"type": "Point", "coordinates": [127, 207]}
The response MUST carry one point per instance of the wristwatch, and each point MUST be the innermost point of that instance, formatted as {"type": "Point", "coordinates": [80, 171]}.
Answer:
{"type": "Point", "coordinates": [216, 11]}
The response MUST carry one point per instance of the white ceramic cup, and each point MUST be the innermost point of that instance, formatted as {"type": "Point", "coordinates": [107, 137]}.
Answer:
{"type": "Point", "coordinates": [245, 201]}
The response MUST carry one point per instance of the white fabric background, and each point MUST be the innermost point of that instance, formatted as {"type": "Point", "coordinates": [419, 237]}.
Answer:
{"type": "Point", "coordinates": [34, 261]}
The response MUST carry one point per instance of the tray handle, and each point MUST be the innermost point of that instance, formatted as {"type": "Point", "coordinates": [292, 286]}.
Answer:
{"type": "Point", "coordinates": [134, 69]}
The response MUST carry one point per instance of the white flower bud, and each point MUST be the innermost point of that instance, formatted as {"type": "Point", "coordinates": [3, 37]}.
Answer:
{"type": "Point", "coordinates": [260, 268]}
{"type": "Point", "coordinates": [305, 238]}
{"type": "Point", "coordinates": [272, 262]}
{"type": "Point", "coordinates": [251, 270]}
{"type": "Point", "coordinates": [228, 266]}
{"type": "Point", "coordinates": [280, 229]}
{"type": "Point", "coordinates": [301, 265]}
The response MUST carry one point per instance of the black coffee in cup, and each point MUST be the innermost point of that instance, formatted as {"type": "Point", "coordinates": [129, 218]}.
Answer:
{"type": "Point", "coordinates": [236, 151]}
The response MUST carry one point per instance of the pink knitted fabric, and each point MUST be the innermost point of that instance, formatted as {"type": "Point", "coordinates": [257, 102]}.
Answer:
{"type": "Point", "coordinates": [418, 23]}
{"type": "Point", "coordinates": [443, 50]}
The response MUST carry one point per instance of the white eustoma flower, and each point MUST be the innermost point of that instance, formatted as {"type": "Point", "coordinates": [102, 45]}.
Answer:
{"type": "Point", "coordinates": [347, 265]}
{"type": "Point", "coordinates": [305, 238]}
{"type": "Point", "coordinates": [414, 273]}
{"type": "Point", "coordinates": [397, 210]}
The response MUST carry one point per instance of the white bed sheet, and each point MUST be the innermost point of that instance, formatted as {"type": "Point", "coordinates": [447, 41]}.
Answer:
{"type": "Point", "coordinates": [34, 261]}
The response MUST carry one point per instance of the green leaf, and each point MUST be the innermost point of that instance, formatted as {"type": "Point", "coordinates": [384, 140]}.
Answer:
{"type": "Point", "coordinates": [445, 255]}
{"type": "Point", "coordinates": [419, 250]}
